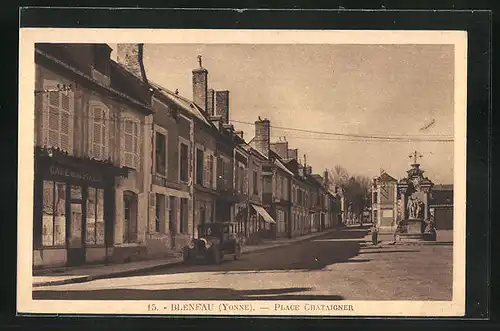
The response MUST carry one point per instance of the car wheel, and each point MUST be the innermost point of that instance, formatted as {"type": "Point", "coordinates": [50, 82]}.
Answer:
{"type": "Point", "coordinates": [215, 255]}
{"type": "Point", "coordinates": [186, 256]}
{"type": "Point", "coordinates": [237, 252]}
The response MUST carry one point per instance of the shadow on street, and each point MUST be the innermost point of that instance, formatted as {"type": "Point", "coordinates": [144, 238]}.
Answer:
{"type": "Point", "coordinates": [310, 255]}
{"type": "Point", "coordinates": [184, 294]}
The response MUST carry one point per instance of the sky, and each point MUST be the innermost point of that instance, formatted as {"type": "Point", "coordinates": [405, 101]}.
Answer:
{"type": "Point", "coordinates": [390, 90]}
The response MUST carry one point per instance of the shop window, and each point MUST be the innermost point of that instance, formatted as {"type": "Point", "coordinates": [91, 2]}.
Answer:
{"type": "Point", "coordinates": [58, 117]}
{"type": "Point", "coordinates": [130, 143]}
{"type": "Point", "coordinates": [130, 217]}
{"type": "Point", "coordinates": [54, 214]}
{"type": "Point", "coordinates": [99, 131]}
{"type": "Point", "coordinates": [183, 162]}
{"type": "Point", "coordinates": [94, 233]}
{"type": "Point", "coordinates": [161, 154]}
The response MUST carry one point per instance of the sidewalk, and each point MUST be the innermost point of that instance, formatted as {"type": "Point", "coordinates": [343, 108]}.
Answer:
{"type": "Point", "coordinates": [443, 237]}
{"type": "Point", "coordinates": [89, 273]}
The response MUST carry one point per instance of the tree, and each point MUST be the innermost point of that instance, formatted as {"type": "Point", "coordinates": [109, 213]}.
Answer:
{"type": "Point", "coordinates": [340, 175]}
{"type": "Point", "coordinates": [355, 189]}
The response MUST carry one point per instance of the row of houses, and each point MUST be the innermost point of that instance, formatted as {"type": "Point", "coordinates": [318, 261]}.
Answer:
{"type": "Point", "coordinates": [126, 169]}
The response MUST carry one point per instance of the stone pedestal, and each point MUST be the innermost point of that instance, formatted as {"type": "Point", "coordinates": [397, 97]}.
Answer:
{"type": "Point", "coordinates": [413, 230]}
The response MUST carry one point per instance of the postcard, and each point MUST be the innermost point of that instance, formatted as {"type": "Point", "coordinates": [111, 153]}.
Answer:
{"type": "Point", "coordinates": [269, 173]}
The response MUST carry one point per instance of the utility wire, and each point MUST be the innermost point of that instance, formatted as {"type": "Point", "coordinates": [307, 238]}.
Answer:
{"type": "Point", "coordinates": [378, 140]}
{"type": "Point", "coordinates": [339, 136]}
{"type": "Point", "coordinates": [369, 136]}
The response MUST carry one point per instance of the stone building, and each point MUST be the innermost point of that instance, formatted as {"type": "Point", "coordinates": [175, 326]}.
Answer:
{"type": "Point", "coordinates": [276, 179]}
{"type": "Point", "coordinates": [441, 206]}
{"type": "Point", "coordinates": [384, 197]}
{"type": "Point", "coordinates": [92, 157]}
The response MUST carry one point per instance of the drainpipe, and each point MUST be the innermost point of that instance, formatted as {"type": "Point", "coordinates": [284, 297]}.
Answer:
{"type": "Point", "coordinates": [151, 175]}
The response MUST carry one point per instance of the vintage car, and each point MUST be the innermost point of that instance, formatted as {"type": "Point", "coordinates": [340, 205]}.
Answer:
{"type": "Point", "coordinates": [214, 241]}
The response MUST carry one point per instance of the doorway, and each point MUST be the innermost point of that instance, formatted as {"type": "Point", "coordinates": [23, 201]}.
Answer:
{"type": "Point", "coordinates": [74, 226]}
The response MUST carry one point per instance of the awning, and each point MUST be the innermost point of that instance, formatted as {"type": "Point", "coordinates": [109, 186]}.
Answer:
{"type": "Point", "coordinates": [264, 214]}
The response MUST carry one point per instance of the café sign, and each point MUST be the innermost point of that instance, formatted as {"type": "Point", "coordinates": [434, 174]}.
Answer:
{"type": "Point", "coordinates": [81, 175]}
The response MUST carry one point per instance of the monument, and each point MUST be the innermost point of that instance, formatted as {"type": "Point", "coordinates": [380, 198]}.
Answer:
{"type": "Point", "coordinates": [415, 221]}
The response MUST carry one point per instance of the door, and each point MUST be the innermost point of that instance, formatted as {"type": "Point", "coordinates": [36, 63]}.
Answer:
{"type": "Point", "coordinates": [76, 248]}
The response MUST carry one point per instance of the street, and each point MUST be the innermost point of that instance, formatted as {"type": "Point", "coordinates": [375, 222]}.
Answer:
{"type": "Point", "coordinates": [339, 265]}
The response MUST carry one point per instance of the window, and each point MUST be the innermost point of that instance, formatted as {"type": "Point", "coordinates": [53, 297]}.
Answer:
{"type": "Point", "coordinates": [160, 213]}
{"type": "Point", "coordinates": [54, 214]}
{"type": "Point", "coordinates": [267, 184]}
{"type": "Point", "coordinates": [184, 155]}
{"type": "Point", "coordinates": [278, 186]}
{"type": "Point", "coordinates": [255, 182]}
{"type": "Point", "coordinates": [130, 143]}
{"type": "Point", "coordinates": [199, 167]}
{"type": "Point", "coordinates": [161, 154]}
{"type": "Point", "coordinates": [130, 217]}
{"type": "Point", "coordinates": [284, 187]}
{"type": "Point", "coordinates": [184, 215]}
{"type": "Point", "coordinates": [58, 112]}
{"type": "Point", "coordinates": [172, 215]}
{"type": "Point", "coordinates": [95, 216]}
{"type": "Point", "coordinates": [98, 132]}
{"type": "Point", "coordinates": [211, 172]}
{"type": "Point", "coordinates": [101, 59]}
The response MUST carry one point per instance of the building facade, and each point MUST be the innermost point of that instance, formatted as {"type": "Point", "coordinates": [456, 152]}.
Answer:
{"type": "Point", "coordinates": [441, 206]}
{"type": "Point", "coordinates": [92, 157]}
{"type": "Point", "coordinates": [384, 197]}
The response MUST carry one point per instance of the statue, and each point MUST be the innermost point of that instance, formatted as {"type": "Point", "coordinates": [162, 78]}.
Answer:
{"type": "Point", "coordinates": [415, 208]}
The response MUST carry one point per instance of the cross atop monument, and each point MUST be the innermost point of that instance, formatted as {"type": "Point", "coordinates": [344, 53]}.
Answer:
{"type": "Point", "coordinates": [199, 61]}
{"type": "Point", "coordinates": [415, 155]}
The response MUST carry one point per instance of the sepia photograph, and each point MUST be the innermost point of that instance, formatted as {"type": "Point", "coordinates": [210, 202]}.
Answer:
{"type": "Point", "coordinates": [249, 172]}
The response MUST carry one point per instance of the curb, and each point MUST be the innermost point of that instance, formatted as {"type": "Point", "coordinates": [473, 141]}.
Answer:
{"type": "Point", "coordinates": [85, 279]}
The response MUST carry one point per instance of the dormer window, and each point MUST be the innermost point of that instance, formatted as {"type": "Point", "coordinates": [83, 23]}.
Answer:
{"type": "Point", "coordinates": [101, 58]}
{"type": "Point", "coordinates": [100, 64]}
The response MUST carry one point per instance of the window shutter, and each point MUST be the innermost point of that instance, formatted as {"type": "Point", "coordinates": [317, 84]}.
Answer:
{"type": "Point", "coordinates": [122, 143]}
{"type": "Point", "coordinates": [66, 119]}
{"type": "Point", "coordinates": [105, 134]}
{"type": "Point", "coordinates": [206, 172]}
{"type": "Point", "coordinates": [45, 118]}
{"type": "Point", "coordinates": [136, 147]}
{"type": "Point", "coordinates": [214, 173]}
{"type": "Point", "coordinates": [245, 183]}
{"type": "Point", "coordinates": [96, 132]}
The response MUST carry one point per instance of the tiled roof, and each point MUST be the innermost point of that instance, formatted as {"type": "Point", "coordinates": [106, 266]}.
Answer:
{"type": "Point", "coordinates": [184, 103]}
{"type": "Point", "coordinates": [72, 57]}
{"type": "Point", "coordinates": [282, 167]}
{"type": "Point", "coordinates": [385, 177]}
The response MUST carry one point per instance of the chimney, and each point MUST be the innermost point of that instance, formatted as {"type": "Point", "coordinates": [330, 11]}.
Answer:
{"type": "Point", "coordinates": [301, 170]}
{"type": "Point", "coordinates": [222, 105]}
{"type": "Point", "coordinates": [130, 56]}
{"type": "Point", "coordinates": [281, 148]}
{"type": "Point", "coordinates": [200, 83]}
{"type": "Point", "coordinates": [239, 134]}
{"type": "Point", "coordinates": [326, 180]}
{"type": "Point", "coordinates": [293, 154]}
{"type": "Point", "coordinates": [262, 136]}
{"type": "Point", "coordinates": [210, 102]}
